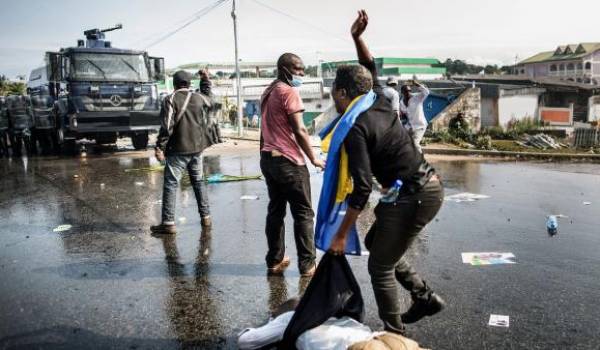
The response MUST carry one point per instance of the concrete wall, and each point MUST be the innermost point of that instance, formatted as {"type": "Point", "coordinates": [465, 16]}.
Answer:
{"type": "Point", "coordinates": [489, 112]}
{"type": "Point", "coordinates": [516, 107]}
{"type": "Point", "coordinates": [594, 109]}
{"type": "Point", "coordinates": [469, 103]}
{"type": "Point", "coordinates": [595, 58]}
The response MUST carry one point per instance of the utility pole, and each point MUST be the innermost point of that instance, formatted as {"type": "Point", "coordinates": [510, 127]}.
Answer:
{"type": "Point", "coordinates": [319, 62]}
{"type": "Point", "coordinates": [237, 72]}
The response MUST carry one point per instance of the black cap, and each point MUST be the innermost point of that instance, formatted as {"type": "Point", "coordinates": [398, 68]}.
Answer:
{"type": "Point", "coordinates": [182, 78]}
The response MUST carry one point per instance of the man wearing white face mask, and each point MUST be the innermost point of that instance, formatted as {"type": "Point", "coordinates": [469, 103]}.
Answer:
{"type": "Point", "coordinates": [283, 141]}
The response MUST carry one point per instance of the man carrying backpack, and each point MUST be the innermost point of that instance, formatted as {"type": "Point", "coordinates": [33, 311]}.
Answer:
{"type": "Point", "coordinates": [183, 135]}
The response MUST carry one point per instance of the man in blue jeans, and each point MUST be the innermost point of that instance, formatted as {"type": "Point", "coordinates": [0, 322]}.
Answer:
{"type": "Point", "coordinates": [184, 134]}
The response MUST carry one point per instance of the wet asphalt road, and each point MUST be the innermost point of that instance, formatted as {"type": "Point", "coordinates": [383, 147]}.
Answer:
{"type": "Point", "coordinates": [107, 283]}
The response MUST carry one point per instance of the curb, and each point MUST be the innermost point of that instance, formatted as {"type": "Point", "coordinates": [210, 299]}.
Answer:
{"type": "Point", "coordinates": [499, 154]}
{"type": "Point", "coordinates": [512, 154]}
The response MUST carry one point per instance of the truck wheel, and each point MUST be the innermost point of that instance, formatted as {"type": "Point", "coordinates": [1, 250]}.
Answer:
{"type": "Point", "coordinates": [140, 140]}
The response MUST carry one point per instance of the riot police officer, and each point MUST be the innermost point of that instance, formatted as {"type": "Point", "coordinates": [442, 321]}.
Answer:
{"type": "Point", "coordinates": [20, 124]}
{"type": "Point", "coordinates": [3, 128]}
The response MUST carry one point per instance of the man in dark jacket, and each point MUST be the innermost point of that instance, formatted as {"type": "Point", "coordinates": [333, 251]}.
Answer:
{"type": "Point", "coordinates": [184, 134]}
{"type": "Point", "coordinates": [378, 145]}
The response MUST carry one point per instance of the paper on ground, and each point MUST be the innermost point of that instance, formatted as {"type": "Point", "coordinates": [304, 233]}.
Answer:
{"type": "Point", "coordinates": [62, 228]}
{"type": "Point", "coordinates": [488, 258]}
{"type": "Point", "coordinates": [138, 183]}
{"type": "Point", "coordinates": [499, 321]}
{"type": "Point", "coordinates": [248, 198]}
{"type": "Point", "coordinates": [587, 203]}
{"type": "Point", "coordinates": [465, 197]}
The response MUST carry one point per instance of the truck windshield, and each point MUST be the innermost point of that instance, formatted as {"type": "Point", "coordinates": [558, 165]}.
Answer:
{"type": "Point", "coordinates": [110, 67]}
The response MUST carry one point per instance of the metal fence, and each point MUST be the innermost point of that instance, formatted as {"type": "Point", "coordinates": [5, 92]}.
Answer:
{"type": "Point", "coordinates": [587, 138]}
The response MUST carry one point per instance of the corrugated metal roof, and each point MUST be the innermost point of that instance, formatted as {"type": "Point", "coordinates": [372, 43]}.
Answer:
{"type": "Point", "coordinates": [413, 70]}
{"type": "Point", "coordinates": [409, 60]}
{"type": "Point", "coordinates": [389, 60]}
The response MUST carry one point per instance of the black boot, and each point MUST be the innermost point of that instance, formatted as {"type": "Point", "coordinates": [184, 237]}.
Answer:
{"type": "Point", "coordinates": [425, 303]}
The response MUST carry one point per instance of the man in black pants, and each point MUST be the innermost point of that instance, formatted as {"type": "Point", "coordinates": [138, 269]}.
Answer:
{"type": "Point", "coordinates": [284, 142]}
{"type": "Point", "coordinates": [378, 145]}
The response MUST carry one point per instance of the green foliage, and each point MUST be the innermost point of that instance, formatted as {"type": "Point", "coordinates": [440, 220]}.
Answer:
{"type": "Point", "coordinates": [514, 129]}
{"type": "Point", "coordinates": [442, 136]}
{"type": "Point", "coordinates": [483, 142]}
{"type": "Point", "coordinates": [460, 67]}
{"type": "Point", "coordinates": [7, 87]}
{"type": "Point", "coordinates": [495, 132]}
{"type": "Point", "coordinates": [311, 71]}
{"type": "Point", "coordinates": [459, 127]}
{"type": "Point", "coordinates": [523, 126]}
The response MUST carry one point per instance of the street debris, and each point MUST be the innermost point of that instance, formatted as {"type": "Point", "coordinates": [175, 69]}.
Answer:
{"type": "Point", "coordinates": [215, 178]}
{"type": "Point", "coordinates": [552, 225]}
{"type": "Point", "coordinates": [465, 197]}
{"type": "Point", "coordinates": [75, 176]}
{"type": "Point", "coordinates": [139, 183]}
{"type": "Point", "coordinates": [102, 185]}
{"type": "Point", "coordinates": [488, 258]}
{"type": "Point", "coordinates": [182, 219]}
{"type": "Point", "coordinates": [249, 198]}
{"type": "Point", "coordinates": [587, 203]}
{"type": "Point", "coordinates": [540, 141]}
{"type": "Point", "coordinates": [499, 321]}
{"type": "Point", "coordinates": [157, 167]}
{"type": "Point", "coordinates": [62, 228]}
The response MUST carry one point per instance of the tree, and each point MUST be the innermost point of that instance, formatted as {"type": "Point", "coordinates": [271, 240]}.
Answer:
{"type": "Point", "coordinates": [460, 67]}
{"type": "Point", "coordinates": [9, 88]}
{"type": "Point", "coordinates": [311, 71]}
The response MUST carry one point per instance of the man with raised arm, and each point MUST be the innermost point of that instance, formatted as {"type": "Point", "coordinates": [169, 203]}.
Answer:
{"type": "Point", "coordinates": [378, 145]}
{"type": "Point", "coordinates": [411, 107]}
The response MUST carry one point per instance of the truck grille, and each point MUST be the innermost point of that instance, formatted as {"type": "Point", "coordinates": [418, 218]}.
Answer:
{"type": "Point", "coordinates": [114, 103]}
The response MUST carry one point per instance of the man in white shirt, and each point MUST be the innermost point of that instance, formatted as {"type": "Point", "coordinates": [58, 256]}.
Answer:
{"type": "Point", "coordinates": [411, 106]}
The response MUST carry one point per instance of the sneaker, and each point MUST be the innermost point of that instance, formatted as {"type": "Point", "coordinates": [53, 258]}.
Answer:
{"type": "Point", "coordinates": [279, 268]}
{"type": "Point", "coordinates": [310, 272]}
{"type": "Point", "coordinates": [422, 307]}
{"type": "Point", "coordinates": [206, 221]}
{"type": "Point", "coordinates": [164, 229]}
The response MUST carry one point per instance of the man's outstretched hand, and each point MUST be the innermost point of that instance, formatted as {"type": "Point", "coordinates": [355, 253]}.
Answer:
{"type": "Point", "coordinates": [360, 24]}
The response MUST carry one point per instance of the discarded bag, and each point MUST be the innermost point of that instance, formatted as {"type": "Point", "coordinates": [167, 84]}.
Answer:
{"type": "Point", "coordinates": [332, 292]}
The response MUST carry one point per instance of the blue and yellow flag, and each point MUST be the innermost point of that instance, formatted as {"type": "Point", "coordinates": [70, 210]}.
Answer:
{"type": "Point", "coordinates": [337, 183]}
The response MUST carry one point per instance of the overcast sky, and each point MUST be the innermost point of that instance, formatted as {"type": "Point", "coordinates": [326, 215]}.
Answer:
{"type": "Point", "coordinates": [478, 31]}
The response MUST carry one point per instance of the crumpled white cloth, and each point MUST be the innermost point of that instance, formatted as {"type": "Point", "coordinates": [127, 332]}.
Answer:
{"type": "Point", "coordinates": [334, 334]}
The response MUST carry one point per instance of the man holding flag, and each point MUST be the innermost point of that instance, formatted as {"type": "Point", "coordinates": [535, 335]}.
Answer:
{"type": "Point", "coordinates": [368, 139]}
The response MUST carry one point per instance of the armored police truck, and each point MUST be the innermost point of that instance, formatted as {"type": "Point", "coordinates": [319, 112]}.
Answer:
{"type": "Point", "coordinates": [97, 92]}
